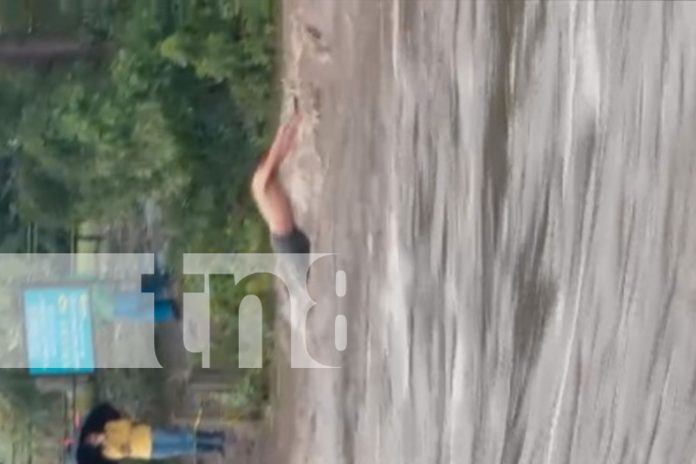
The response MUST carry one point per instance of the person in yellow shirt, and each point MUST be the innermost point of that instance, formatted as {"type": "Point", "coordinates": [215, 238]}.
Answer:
{"type": "Point", "coordinates": [124, 439]}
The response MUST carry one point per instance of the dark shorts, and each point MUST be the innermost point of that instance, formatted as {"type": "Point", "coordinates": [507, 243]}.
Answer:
{"type": "Point", "coordinates": [295, 242]}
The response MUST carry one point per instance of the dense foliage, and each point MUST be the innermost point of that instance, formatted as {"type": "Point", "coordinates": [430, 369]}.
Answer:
{"type": "Point", "coordinates": [175, 108]}
{"type": "Point", "coordinates": [147, 101]}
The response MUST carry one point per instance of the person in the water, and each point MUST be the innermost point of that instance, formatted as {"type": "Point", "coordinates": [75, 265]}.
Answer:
{"type": "Point", "coordinates": [271, 198]}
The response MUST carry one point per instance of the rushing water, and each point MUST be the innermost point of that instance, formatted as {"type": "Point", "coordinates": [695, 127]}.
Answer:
{"type": "Point", "coordinates": [510, 186]}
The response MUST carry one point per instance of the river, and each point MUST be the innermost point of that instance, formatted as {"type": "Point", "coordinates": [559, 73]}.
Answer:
{"type": "Point", "coordinates": [509, 187]}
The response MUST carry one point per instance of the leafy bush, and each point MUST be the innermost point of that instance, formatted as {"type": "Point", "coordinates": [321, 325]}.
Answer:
{"type": "Point", "coordinates": [176, 110]}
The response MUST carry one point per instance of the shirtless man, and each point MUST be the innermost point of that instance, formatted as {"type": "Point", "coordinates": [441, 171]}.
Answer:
{"type": "Point", "coordinates": [271, 198]}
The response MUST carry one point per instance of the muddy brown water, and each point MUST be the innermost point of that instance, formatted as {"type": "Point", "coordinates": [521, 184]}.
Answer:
{"type": "Point", "coordinates": [510, 189]}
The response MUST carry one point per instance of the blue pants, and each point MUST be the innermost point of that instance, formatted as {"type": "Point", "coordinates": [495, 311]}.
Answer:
{"type": "Point", "coordinates": [132, 306]}
{"type": "Point", "coordinates": [172, 442]}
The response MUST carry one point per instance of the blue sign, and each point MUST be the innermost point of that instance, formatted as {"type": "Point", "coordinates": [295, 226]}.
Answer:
{"type": "Point", "coordinates": [59, 330]}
